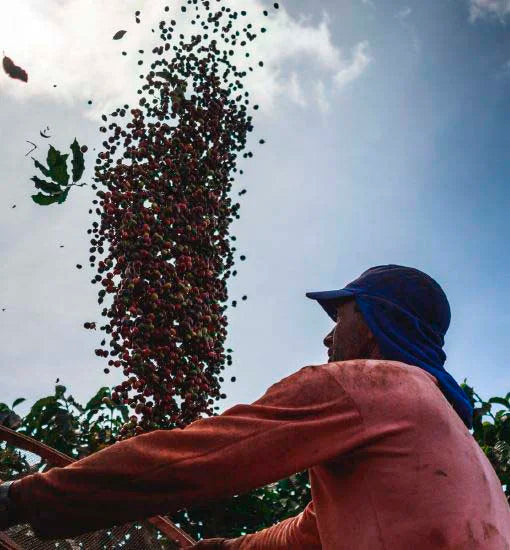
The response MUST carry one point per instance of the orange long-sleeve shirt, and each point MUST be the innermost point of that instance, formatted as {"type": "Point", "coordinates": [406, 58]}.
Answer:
{"type": "Point", "coordinates": [391, 466]}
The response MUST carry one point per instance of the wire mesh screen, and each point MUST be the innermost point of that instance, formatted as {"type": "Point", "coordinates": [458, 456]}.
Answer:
{"type": "Point", "coordinates": [21, 456]}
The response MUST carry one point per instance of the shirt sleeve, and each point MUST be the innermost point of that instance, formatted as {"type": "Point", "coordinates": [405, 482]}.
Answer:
{"type": "Point", "coordinates": [298, 533]}
{"type": "Point", "coordinates": [303, 420]}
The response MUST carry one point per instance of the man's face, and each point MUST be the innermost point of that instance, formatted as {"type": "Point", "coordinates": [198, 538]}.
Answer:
{"type": "Point", "coordinates": [351, 338]}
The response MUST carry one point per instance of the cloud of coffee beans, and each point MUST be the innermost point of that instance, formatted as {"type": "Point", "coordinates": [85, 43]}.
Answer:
{"type": "Point", "coordinates": [166, 214]}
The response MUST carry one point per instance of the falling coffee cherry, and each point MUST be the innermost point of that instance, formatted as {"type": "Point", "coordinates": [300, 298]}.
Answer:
{"type": "Point", "coordinates": [164, 231]}
{"type": "Point", "coordinates": [79, 266]}
{"type": "Point", "coordinates": [106, 370]}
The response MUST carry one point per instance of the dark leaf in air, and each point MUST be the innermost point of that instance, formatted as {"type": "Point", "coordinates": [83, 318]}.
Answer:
{"type": "Point", "coordinates": [77, 162]}
{"type": "Point", "coordinates": [57, 163]}
{"type": "Point", "coordinates": [46, 186]}
{"type": "Point", "coordinates": [45, 199]}
{"type": "Point", "coordinates": [13, 70]}
{"type": "Point", "coordinates": [118, 35]}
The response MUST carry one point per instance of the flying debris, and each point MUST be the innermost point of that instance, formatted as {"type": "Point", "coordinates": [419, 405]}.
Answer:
{"type": "Point", "coordinates": [118, 35]}
{"type": "Point", "coordinates": [43, 134]}
{"type": "Point", "coordinates": [35, 147]}
{"type": "Point", "coordinates": [13, 70]}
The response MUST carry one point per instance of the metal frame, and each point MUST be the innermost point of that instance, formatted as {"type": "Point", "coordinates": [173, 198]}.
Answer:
{"type": "Point", "coordinates": [56, 458]}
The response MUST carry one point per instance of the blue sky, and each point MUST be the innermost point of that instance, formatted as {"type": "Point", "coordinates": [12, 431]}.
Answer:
{"type": "Point", "coordinates": [386, 142]}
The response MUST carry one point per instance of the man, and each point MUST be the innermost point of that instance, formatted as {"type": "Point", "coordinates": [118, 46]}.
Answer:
{"type": "Point", "coordinates": [382, 428]}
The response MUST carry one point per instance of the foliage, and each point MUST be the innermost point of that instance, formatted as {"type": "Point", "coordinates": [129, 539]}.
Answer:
{"type": "Point", "coordinates": [493, 437]}
{"type": "Point", "coordinates": [58, 190]}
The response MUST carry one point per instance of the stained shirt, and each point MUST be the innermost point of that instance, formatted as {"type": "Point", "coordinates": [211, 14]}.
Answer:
{"type": "Point", "coordinates": [391, 464]}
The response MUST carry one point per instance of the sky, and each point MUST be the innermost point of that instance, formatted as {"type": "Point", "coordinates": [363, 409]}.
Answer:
{"type": "Point", "coordinates": [386, 143]}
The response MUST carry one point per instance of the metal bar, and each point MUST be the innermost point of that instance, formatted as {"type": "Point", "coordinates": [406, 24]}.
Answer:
{"type": "Point", "coordinates": [7, 544]}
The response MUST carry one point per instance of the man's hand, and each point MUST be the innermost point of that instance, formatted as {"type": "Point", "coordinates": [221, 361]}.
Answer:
{"type": "Point", "coordinates": [209, 544]}
{"type": "Point", "coordinates": [217, 544]}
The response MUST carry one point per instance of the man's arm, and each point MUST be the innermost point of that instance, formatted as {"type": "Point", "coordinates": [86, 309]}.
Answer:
{"type": "Point", "coordinates": [303, 420]}
{"type": "Point", "coordinates": [298, 533]}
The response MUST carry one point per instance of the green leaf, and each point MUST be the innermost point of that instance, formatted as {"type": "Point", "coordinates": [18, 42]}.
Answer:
{"type": "Point", "coordinates": [500, 401]}
{"type": "Point", "coordinates": [57, 163]}
{"type": "Point", "coordinates": [125, 412]}
{"type": "Point", "coordinates": [45, 199]}
{"type": "Point", "coordinates": [96, 402]}
{"type": "Point", "coordinates": [46, 186]}
{"type": "Point", "coordinates": [77, 162]}
{"type": "Point", "coordinates": [118, 35]}
{"type": "Point", "coordinates": [18, 401]}
{"type": "Point", "coordinates": [43, 402]}
{"type": "Point", "coordinates": [42, 168]}
{"type": "Point", "coordinates": [60, 390]}
{"type": "Point", "coordinates": [63, 196]}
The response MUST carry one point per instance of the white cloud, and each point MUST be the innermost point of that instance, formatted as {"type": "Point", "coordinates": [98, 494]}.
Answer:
{"type": "Point", "coordinates": [296, 91]}
{"type": "Point", "coordinates": [403, 13]}
{"type": "Point", "coordinates": [320, 97]}
{"type": "Point", "coordinates": [69, 43]}
{"type": "Point", "coordinates": [355, 68]}
{"type": "Point", "coordinates": [403, 16]}
{"type": "Point", "coordinates": [488, 8]}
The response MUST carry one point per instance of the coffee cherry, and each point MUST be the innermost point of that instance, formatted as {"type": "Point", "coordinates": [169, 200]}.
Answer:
{"type": "Point", "coordinates": [164, 217]}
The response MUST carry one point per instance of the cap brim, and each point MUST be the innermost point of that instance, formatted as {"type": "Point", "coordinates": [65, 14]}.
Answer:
{"type": "Point", "coordinates": [328, 298]}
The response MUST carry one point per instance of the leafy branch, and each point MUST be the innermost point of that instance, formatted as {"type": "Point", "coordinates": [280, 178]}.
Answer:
{"type": "Point", "coordinates": [58, 189]}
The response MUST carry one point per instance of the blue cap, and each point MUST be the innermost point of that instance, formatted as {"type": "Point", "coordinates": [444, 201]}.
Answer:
{"type": "Point", "coordinates": [409, 314]}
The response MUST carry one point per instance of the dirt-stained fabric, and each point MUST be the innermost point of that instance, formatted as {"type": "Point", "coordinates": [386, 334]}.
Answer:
{"type": "Point", "coordinates": [392, 467]}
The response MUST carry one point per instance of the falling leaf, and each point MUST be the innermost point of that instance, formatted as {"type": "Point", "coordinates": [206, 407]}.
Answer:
{"type": "Point", "coordinates": [43, 134]}
{"type": "Point", "coordinates": [13, 70]}
{"type": "Point", "coordinates": [46, 186]}
{"type": "Point", "coordinates": [77, 161]}
{"type": "Point", "coordinates": [57, 163]}
{"type": "Point", "coordinates": [118, 35]}
{"type": "Point", "coordinates": [46, 199]}
{"type": "Point", "coordinates": [13, 206]}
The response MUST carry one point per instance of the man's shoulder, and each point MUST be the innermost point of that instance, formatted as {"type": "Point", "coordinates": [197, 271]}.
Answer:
{"type": "Point", "coordinates": [362, 377]}
{"type": "Point", "coordinates": [357, 377]}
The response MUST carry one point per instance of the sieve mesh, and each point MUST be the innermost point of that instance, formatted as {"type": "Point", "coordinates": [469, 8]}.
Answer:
{"type": "Point", "coordinates": [17, 461]}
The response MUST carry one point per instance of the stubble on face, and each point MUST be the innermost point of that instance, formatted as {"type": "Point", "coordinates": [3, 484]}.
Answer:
{"type": "Point", "coordinates": [351, 337]}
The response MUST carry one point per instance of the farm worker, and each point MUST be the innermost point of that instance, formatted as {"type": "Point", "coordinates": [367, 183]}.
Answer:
{"type": "Point", "coordinates": [382, 428]}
